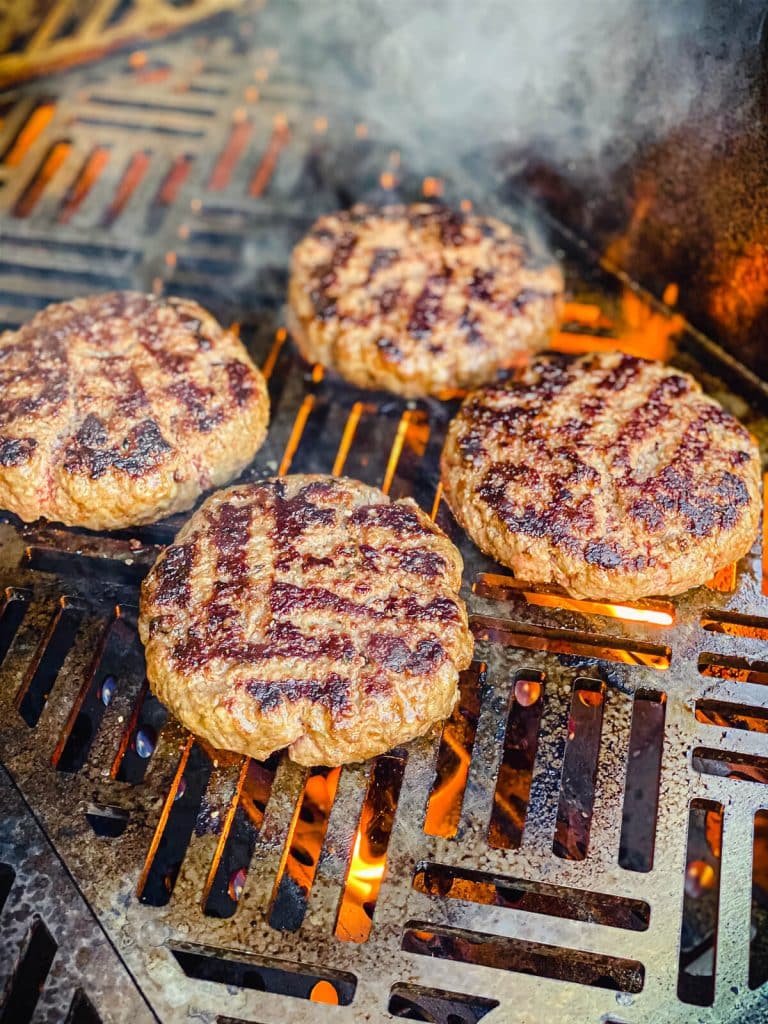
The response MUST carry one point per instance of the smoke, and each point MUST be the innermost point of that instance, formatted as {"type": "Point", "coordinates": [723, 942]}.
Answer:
{"type": "Point", "coordinates": [577, 81]}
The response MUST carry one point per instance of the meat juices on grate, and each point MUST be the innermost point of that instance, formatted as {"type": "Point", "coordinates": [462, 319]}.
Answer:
{"type": "Point", "coordinates": [420, 300]}
{"type": "Point", "coordinates": [307, 612]}
{"type": "Point", "coordinates": [611, 476]}
{"type": "Point", "coordinates": [122, 408]}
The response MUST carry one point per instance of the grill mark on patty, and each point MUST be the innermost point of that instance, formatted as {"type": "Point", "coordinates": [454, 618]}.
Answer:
{"type": "Point", "coordinates": [230, 527]}
{"type": "Point", "coordinates": [654, 409]}
{"type": "Point", "coordinates": [332, 692]}
{"type": "Point", "coordinates": [15, 451]}
{"type": "Point", "coordinates": [293, 516]}
{"type": "Point", "coordinates": [172, 575]}
{"type": "Point", "coordinates": [286, 598]}
{"type": "Point", "coordinates": [222, 636]}
{"type": "Point", "coordinates": [143, 449]}
{"type": "Point", "coordinates": [393, 653]}
{"type": "Point", "coordinates": [196, 400]}
{"type": "Point", "coordinates": [242, 383]}
{"type": "Point", "coordinates": [399, 519]}
{"type": "Point", "coordinates": [425, 312]}
{"type": "Point", "coordinates": [559, 515]}
{"type": "Point", "coordinates": [418, 561]}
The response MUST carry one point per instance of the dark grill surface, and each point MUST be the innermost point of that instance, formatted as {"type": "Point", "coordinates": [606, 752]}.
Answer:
{"type": "Point", "coordinates": [585, 840]}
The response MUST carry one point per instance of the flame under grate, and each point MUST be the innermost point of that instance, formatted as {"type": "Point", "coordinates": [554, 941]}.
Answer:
{"type": "Point", "coordinates": [577, 841]}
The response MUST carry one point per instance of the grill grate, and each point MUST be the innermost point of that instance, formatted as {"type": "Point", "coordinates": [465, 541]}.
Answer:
{"type": "Point", "coordinates": [576, 844]}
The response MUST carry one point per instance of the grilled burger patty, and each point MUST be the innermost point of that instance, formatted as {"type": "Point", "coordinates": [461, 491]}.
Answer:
{"type": "Point", "coordinates": [122, 408]}
{"type": "Point", "coordinates": [307, 612]}
{"type": "Point", "coordinates": [420, 300]}
{"type": "Point", "coordinates": [608, 475]}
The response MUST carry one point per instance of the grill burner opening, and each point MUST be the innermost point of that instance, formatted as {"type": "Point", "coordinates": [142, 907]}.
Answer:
{"type": "Point", "coordinates": [563, 840]}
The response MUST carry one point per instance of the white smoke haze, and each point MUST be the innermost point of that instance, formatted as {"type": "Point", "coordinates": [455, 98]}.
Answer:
{"type": "Point", "coordinates": [579, 81]}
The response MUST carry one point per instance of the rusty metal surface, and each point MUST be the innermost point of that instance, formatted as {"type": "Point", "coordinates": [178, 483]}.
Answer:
{"type": "Point", "coordinates": [115, 818]}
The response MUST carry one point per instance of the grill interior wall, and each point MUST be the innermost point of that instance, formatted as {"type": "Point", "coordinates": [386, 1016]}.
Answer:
{"type": "Point", "coordinates": [186, 170]}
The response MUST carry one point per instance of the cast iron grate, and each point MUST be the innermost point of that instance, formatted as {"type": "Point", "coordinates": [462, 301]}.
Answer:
{"type": "Point", "coordinates": [577, 843]}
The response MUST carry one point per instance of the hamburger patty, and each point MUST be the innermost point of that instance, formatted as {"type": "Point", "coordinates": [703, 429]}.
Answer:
{"type": "Point", "coordinates": [122, 408]}
{"type": "Point", "coordinates": [608, 475]}
{"type": "Point", "coordinates": [421, 300]}
{"type": "Point", "coordinates": [307, 612]}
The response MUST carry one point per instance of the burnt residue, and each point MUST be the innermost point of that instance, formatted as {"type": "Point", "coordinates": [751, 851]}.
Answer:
{"type": "Point", "coordinates": [197, 402]}
{"type": "Point", "coordinates": [393, 653]}
{"type": "Point", "coordinates": [287, 598]}
{"type": "Point", "coordinates": [142, 450]}
{"type": "Point", "coordinates": [332, 692]}
{"type": "Point", "coordinates": [425, 312]}
{"type": "Point", "coordinates": [293, 516]}
{"type": "Point", "coordinates": [396, 517]}
{"type": "Point", "coordinates": [390, 350]}
{"type": "Point", "coordinates": [241, 380]}
{"type": "Point", "coordinates": [172, 575]}
{"type": "Point", "coordinates": [15, 451]}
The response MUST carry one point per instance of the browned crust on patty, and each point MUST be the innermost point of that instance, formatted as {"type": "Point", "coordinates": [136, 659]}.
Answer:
{"type": "Point", "coordinates": [121, 408]}
{"type": "Point", "coordinates": [608, 475]}
{"type": "Point", "coordinates": [306, 612]}
{"type": "Point", "coordinates": [420, 300]}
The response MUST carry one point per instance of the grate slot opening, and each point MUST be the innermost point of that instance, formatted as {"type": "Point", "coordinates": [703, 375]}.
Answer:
{"type": "Point", "coordinates": [91, 170]}
{"type": "Point", "coordinates": [131, 178]}
{"type": "Point", "coordinates": [29, 975]}
{"type": "Point", "coordinates": [735, 624]}
{"type": "Point", "coordinates": [532, 897]}
{"type": "Point", "coordinates": [174, 830]}
{"type": "Point", "coordinates": [234, 148]}
{"type": "Point", "coordinates": [524, 957]}
{"type": "Point", "coordinates": [12, 612]}
{"type": "Point", "coordinates": [521, 740]}
{"type": "Point", "coordinates": [732, 716]}
{"type": "Point", "coordinates": [49, 657]}
{"type": "Point", "coordinates": [296, 875]}
{"type": "Point", "coordinates": [168, 190]}
{"type": "Point", "coordinates": [455, 755]}
{"type": "Point", "coordinates": [498, 587]}
{"type": "Point", "coordinates": [107, 821]}
{"type": "Point", "coordinates": [262, 973]}
{"type": "Point", "coordinates": [139, 740]}
{"type": "Point", "coordinates": [701, 904]}
{"type": "Point", "coordinates": [7, 876]}
{"type": "Point", "coordinates": [81, 566]}
{"type": "Point", "coordinates": [643, 780]}
{"type": "Point", "coordinates": [368, 861]}
{"type": "Point", "coordinates": [723, 763]}
{"type": "Point", "coordinates": [758, 946]}
{"type": "Point", "coordinates": [530, 637]}
{"type": "Point", "coordinates": [33, 126]}
{"type": "Point", "coordinates": [53, 160]}
{"type": "Point", "coordinates": [118, 662]}
{"type": "Point", "coordinates": [415, 1003]}
{"type": "Point", "coordinates": [732, 669]}
{"type": "Point", "coordinates": [232, 859]}
{"type": "Point", "coordinates": [82, 1010]}
{"type": "Point", "coordinates": [577, 782]}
